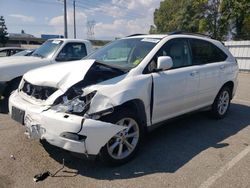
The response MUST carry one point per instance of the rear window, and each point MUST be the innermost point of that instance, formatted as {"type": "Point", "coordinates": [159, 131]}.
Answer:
{"type": "Point", "coordinates": [204, 52]}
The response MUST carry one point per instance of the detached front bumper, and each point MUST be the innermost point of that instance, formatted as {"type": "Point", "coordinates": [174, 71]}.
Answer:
{"type": "Point", "coordinates": [70, 132]}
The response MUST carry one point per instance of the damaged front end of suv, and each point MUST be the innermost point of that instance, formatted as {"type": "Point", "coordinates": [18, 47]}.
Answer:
{"type": "Point", "coordinates": [89, 106]}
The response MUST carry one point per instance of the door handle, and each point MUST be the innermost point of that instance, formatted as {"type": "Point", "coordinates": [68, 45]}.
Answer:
{"type": "Point", "coordinates": [222, 67]}
{"type": "Point", "coordinates": [194, 73]}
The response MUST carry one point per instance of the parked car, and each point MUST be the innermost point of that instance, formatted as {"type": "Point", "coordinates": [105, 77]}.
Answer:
{"type": "Point", "coordinates": [24, 52]}
{"type": "Point", "coordinates": [9, 51]}
{"type": "Point", "coordinates": [103, 105]}
{"type": "Point", "coordinates": [51, 52]}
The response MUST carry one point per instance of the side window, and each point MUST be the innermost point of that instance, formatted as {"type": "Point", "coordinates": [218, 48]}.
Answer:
{"type": "Point", "coordinates": [72, 51]}
{"type": "Point", "coordinates": [12, 52]}
{"type": "Point", "coordinates": [205, 52]}
{"type": "Point", "coordinates": [178, 50]}
{"type": "Point", "coordinates": [3, 53]}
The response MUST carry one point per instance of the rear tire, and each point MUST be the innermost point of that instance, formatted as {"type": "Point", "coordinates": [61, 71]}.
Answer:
{"type": "Point", "coordinates": [124, 145]}
{"type": "Point", "coordinates": [221, 103]}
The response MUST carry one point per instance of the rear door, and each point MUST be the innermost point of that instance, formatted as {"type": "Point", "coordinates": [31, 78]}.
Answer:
{"type": "Point", "coordinates": [209, 60]}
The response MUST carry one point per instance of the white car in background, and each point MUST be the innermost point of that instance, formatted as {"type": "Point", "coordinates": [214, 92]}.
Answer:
{"type": "Point", "coordinates": [9, 51]}
{"type": "Point", "coordinates": [27, 52]}
{"type": "Point", "coordinates": [53, 51]}
{"type": "Point", "coordinates": [104, 105]}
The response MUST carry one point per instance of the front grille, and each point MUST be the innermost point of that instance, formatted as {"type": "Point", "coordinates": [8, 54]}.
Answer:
{"type": "Point", "coordinates": [38, 92]}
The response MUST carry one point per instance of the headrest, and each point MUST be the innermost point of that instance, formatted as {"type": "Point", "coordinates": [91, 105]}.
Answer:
{"type": "Point", "coordinates": [176, 50]}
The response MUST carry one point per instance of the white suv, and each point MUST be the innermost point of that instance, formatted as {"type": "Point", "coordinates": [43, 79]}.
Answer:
{"type": "Point", "coordinates": [105, 104]}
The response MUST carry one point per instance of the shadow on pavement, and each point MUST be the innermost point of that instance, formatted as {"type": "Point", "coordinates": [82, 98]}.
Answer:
{"type": "Point", "coordinates": [167, 148]}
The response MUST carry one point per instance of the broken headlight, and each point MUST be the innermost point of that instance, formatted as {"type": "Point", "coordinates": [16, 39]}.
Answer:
{"type": "Point", "coordinates": [77, 105]}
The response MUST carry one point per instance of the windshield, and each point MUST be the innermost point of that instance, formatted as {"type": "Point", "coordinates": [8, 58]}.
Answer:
{"type": "Point", "coordinates": [124, 53]}
{"type": "Point", "coordinates": [48, 48]}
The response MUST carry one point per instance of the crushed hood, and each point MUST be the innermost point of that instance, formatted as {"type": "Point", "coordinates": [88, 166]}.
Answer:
{"type": "Point", "coordinates": [61, 76]}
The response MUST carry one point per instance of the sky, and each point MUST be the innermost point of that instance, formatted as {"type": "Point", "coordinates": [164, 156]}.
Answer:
{"type": "Point", "coordinates": [112, 18]}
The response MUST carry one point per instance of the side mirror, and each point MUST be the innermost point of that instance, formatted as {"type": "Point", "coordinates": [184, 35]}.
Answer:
{"type": "Point", "coordinates": [164, 63]}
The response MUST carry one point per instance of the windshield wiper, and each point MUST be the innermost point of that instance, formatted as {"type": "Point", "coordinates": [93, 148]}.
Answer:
{"type": "Point", "coordinates": [38, 55]}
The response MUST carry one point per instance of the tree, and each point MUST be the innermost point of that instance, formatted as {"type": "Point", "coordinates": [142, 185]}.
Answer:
{"type": "Point", "coordinates": [192, 16]}
{"type": "Point", "coordinates": [22, 31]}
{"type": "Point", "coordinates": [216, 18]}
{"type": "Point", "coordinates": [168, 17]}
{"type": "Point", "coordinates": [153, 29]}
{"type": "Point", "coordinates": [3, 32]}
{"type": "Point", "coordinates": [239, 12]}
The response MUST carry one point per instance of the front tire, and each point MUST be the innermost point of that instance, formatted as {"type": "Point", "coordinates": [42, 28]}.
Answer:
{"type": "Point", "coordinates": [221, 103]}
{"type": "Point", "coordinates": [4, 104]}
{"type": "Point", "coordinates": [123, 146]}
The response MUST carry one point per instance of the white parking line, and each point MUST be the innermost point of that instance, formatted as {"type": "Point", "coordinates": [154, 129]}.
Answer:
{"type": "Point", "coordinates": [225, 168]}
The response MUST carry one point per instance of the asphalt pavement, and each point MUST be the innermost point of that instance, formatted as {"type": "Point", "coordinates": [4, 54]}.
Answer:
{"type": "Point", "coordinates": [193, 151]}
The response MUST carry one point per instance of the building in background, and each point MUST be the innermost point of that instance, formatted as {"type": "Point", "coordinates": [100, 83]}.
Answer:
{"type": "Point", "coordinates": [48, 36]}
{"type": "Point", "coordinates": [24, 40]}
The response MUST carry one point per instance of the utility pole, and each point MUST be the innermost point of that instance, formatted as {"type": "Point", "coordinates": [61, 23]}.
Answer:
{"type": "Point", "coordinates": [65, 20]}
{"type": "Point", "coordinates": [74, 6]}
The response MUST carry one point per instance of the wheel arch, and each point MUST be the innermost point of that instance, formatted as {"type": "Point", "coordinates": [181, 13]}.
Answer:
{"type": "Point", "coordinates": [19, 78]}
{"type": "Point", "coordinates": [10, 83]}
{"type": "Point", "coordinates": [230, 85]}
{"type": "Point", "coordinates": [137, 106]}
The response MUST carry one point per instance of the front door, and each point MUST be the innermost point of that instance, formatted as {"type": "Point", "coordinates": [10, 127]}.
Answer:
{"type": "Point", "coordinates": [175, 90]}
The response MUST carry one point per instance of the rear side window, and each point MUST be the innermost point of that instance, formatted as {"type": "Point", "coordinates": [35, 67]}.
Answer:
{"type": "Point", "coordinates": [204, 52]}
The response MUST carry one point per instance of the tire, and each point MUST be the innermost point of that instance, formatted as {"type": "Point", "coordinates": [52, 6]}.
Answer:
{"type": "Point", "coordinates": [124, 145]}
{"type": "Point", "coordinates": [4, 104]}
{"type": "Point", "coordinates": [221, 103]}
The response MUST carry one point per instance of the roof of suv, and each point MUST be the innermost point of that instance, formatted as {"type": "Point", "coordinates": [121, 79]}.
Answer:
{"type": "Point", "coordinates": [158, 36]}
{"type": "Point", "coordinates": [161, 36]}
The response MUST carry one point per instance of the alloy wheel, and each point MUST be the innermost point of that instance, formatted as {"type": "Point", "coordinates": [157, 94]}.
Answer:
{"type": "Point", "coordinates": [124, 142]}
{"type": "Point", "coordinates": [223, 102]}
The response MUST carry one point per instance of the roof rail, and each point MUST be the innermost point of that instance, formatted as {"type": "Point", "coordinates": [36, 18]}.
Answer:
{"type": "Point", "coordinates": [137, 34]}
{"type": "Point", "coordinates": [188, 33]}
